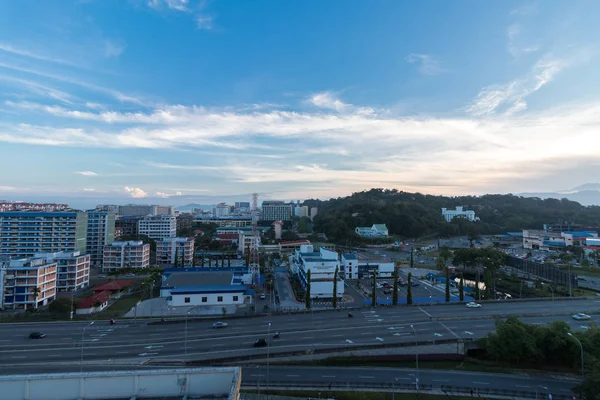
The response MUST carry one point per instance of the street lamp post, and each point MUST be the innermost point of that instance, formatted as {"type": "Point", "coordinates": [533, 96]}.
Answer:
{"type": "Point", "coordinates": [185, 335]}
{"type": "Point", "coordinates": [581, 348]}
{"type": "Point", "coordinates": [553, 309]}
{"type": "Point", "coordinates": [82, 337]}
{"type": "Point", "coordinates": [417, 358]}
{"type": "Point", "coordinates": [268, 353]}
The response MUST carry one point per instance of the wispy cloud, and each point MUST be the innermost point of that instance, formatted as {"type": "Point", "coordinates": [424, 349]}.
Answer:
{"type": "Point", "coordinates": [205, 22]}
{"type": "Point", "coordinates": [112, 49]}
{"type": "Point", "coordinates": [86, 173]}
{"type": "Point", "coordinates": [526, 9]}
{"type": "Point", "coordinates": [89, 190]}
{"type": "Point", "coordinates": [427, 64]}
{"type": "Point", "coordinates": [328, 101]}
{"type": "Point", "coordinates": [167, 195]}
{"type": "Point", "coordinates": [135, 192]}
{"type": "Point", "coordinates": [8, 48]}
{"type": "Point", "coordinates": [516, 50]}
{"type": "Point", "coordinates": [511, 96]}
{"type": "Point", "coordinates": [178, 5]}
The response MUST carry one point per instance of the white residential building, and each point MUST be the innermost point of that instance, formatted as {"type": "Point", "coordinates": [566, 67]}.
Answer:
{"type": "Point", "coordinates": [182, 247]}
{"type": "Point", "coordinates": [27, 283]}
{"type": "Point", "coordinates": [158, 227]}
{"type": "Point", "coordinates": [377, 230]}
{"type": "Point", "coordinates": [301, 211]}
{"type": "Point", "coordinates": [222, 210]}
{"type": "Point", "coordinates": [360, 265]}
{"type": "Point", "coordinates": [73, 269]}
{"type": "Point", "coordinates": [246, 240]}
{"type": "Point", "coordinates": [449, 215]}
{"type": "Point", "coordinates": [322, 265]}
{"type": "Point", "coordinates": [132, 254]}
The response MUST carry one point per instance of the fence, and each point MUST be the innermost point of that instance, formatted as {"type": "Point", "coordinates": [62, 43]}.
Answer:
{"type": "Point", "coordinates": [400, 387]}
{"type": "Point", "coordinates": [545, 271]}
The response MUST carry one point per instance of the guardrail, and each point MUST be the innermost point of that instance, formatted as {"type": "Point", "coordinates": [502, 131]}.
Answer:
{"type": "Point", "coordinates": [503, 392]}
{"type": "Point", "coordinates": [398, 387]}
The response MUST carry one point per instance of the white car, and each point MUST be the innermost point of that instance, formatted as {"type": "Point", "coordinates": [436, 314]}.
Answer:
{"type": "Point", "coordinates": [220, 325]}
{"type": "Point", "coordinates": [473, 305]}
{"type": "Point", "coordinates": [581, 316]}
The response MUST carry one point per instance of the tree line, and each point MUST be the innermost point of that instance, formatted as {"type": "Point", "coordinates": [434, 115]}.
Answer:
{"type": "Point", "coordinates": [414, 215]}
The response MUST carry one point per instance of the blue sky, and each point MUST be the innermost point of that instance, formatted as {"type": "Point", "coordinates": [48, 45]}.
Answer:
{"type": "Point", "coordinates": [176, 99]}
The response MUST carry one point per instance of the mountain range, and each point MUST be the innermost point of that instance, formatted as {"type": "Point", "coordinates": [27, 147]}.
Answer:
{"type": "Point", "coordinates": [587, 194]}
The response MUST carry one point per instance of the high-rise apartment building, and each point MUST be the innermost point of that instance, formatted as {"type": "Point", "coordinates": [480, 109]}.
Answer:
{"type": "Point", "coordinates": [181, 247]}
{"type": "Point", "coordinates": [164, 210]}
{"type": "Point", "coordinates": [132, 210]}
{"type": "Point", "coordinates": [131, 254]}
{"type": "Point", "coordinates": [27, 283]}
{"type": "Point", "coordinates": [73, 269]}
{"type": "Point", "coordinates": [158, 227]}
{"type": "Point", "coordinates": [128, 226]}
{"type": "Point", "coordinates": [24, 233]}
{"type": "Point", "coordinates": [276, 211]}
{"type": "Point", "coordinates": [100, 232]}
{"type": "Point", "coordinates": [222, 210]}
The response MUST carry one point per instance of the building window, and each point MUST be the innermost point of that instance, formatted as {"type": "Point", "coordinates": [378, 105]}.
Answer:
{"type": "Point", "coordinates": [220, 298]}
{"type": "Point", "coordinates": [187, 299]}
{"type": "Point", "coordinates": [204, 299]}
{"type": "Point", "coordinates": [235, 298]}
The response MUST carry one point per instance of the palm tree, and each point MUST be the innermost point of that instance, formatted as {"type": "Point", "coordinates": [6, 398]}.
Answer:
{"type": "Point", "coordinates": [35, 292]}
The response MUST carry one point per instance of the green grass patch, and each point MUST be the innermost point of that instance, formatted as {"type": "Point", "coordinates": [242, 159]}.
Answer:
{"type": "Point", "coordinates": [120, 307]}
{"type": "Point", "coordinates": [348, 395]}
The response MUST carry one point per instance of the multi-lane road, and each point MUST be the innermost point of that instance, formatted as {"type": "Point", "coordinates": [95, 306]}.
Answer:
{"type": "Point", "coordinates": [137, 340]}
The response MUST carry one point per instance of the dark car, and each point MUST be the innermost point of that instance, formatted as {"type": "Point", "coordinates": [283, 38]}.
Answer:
{"type": "Point", "coordinates": [414, 284]}
{"type": "Point", "coordinates": [260, 343]}
{"type": "Point", "coordinates": [36, 335]}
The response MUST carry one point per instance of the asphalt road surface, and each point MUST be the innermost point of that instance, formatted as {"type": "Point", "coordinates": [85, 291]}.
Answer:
{"type": "Point", "coordinates": [256, 377]}
{"type": "Point", "coordinates": [137, 340]}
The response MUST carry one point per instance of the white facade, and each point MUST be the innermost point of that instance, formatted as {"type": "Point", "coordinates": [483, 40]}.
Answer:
{"type": "Point", "coordinates": [158, 227]}
{"type": "Point", "coordinates": [313, 213]}
{"type": "Point", "coordinates": [356, 265]}
{"type": "Point", "coordinates": [246, 241]}
{"type": "Point", "coordinates": [73, 269]}
{"type": "Point", "coordinates": [301, 211]}
{"type": "Point", "coordinates": [449, 215]}
{"type": "Point", "coordinates": [182, 247]}
{"type": "Point", "coordinates": [132, 254]}
{"type": "Point", "coordinates": [276, 211]}
{"type": "Point", "coordinates": [208, 299]}
{"type": "Point", "coordinates": [222, 210]}
{"type": "Point", "coordinates": [100, 232]}
{"type": "Point", "coordinates": [322, 265]}
{"type": "Point", "coordinates": [377, 230]}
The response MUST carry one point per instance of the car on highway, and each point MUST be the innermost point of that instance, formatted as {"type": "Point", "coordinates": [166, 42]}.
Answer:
{"type": "Point", "coordinates": [260, 343]}
{"type": "Point", "coordinates": [472, 304]}
{"type": "Point", "coordinates": [414, 284]}
{"type": "Point", "coordinates": [581, 317]}
{"type": "Point", "coordinates": [263, 296]}
{"type": "Point", "coordinates": [219, 325]}
{"type": "Point", "coordinates": [37, 335]}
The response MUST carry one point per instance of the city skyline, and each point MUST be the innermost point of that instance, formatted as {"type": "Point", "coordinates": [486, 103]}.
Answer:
{"type": "Point", "coordinates": [183, 100]}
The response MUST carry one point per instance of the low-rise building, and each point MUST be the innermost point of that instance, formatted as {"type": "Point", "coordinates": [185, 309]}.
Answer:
{"type": "Point", "coordinates": [198, 287]}
{"type": "Point", "coordinates": [28, 283]}
{"type": "Point", "coordinates": [375, 231]}
{"type": "Point", "coordinates": [359, 265]}
{"type": "Point", "coordinates": [322, 265]}
{"type": "Point", "coordinates": [545, 240]}
{"type": "Point", "coordinates": [130, 254]}
{"type": "Point", "coordinates": [95, 303]}
{"type": "Point", "coordinates": [292, 246]}
{"type": "Point", "coordinates": [177, 251]}
{"type": "Point", "coordinates": [224, 222]}
{"type": "Point", "coordinates": [115, 287]}
{"type": "Point", "coordinates": [459, 212]}
{"type": "Point", "coordinates": [73, 269]}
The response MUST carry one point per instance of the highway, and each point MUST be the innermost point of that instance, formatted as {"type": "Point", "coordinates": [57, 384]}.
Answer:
{"type": "Point", "coordinates": [130, 339]}
{"type": "Point", "coordinates": [256, 377]}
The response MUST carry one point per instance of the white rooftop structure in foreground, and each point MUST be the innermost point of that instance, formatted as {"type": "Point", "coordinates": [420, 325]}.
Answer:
{"type": "Point", "coordinates": [182, 383]}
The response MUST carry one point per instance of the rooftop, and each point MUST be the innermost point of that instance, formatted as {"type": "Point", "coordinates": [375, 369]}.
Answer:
{"type": "Point", "coordinates": [187, 279]}
{"type": "Point", "coordinates": [113, 285]}
{"type": "Point", "coordinates": [101, 297]}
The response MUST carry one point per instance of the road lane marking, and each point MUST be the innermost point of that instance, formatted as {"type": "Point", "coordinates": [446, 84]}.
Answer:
{"type": "Point", "coordinates": [366, 377]}
{"type": "Point", "coordinates": [440, 380]}
{"type": "Point", "coordinates": [481, 383]}
{"type": "Point", "coordinates": [293, 376]}
{"type": "Point", "coordinates": [18, 357]}
{"type": "Point", "coordinates": [309, 337]}
{"type": "Point", "coordinates": [257, 375]}
{"type": "Point", "coordinates": [218, 345]}
{"type": "Point", "coordinates": [522, 386]}
{"type": "Point", "coordinates": [468, 333]}
{"type": "Point", "coordinates": [401, 334]}
{"type": "Point", "coordinates": [349, 341]}
{"type": "Point", "coordinates": [378, 338]}
{"type": "Point", "coordinates": [122, 352]}
{"type": "Point", "coordinates": [337, 335]}
{"type": "Point", "coordinates": [147, 354]}
{"type": "Point", "coordinates": [327, 376]}
{"type": "Point", "coordinates": [55, 355]}
{"type": "Point", "coordinates": [367, 333]}
{"type": "Point", "coordinates": [425, 312]}
{"type": "Point", "coordinates": [438, 334]}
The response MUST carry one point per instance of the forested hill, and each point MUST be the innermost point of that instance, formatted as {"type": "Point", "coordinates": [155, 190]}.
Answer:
{"type": "Point", "coordinates": [413, 215]}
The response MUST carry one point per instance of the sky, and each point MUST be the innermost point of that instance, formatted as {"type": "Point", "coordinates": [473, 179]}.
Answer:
{"type": "Point", "coordinates": [132, 100]}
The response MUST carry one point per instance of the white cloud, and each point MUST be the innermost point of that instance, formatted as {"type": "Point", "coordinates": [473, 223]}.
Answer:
{"type": "Point", "coordinates": [7, 188]}
{"type": "Point", "coordinates": [510, 97]}
{"type": "Point", "coordinates": [89, 190]}
{"type": "Point", "coordinates": [8, 48]}
{"type": "Point", "coordinates": [526, 9]}
{"type": "Point", "coordinates": [512, 34]}
{"type": "Point", "coordinates": [167, 195]}
{"type": "Point", "coordinates": [427, 64]}
{"type": "Point", "coordinates": [178, 5]}
{"type": "Point", "coordinates": [204, 22]}
{"type": "Point", "coordinates": [86, 173]}
{"type": "Point", "coordinates": [113, 49]}
{"type": "Point", "coordinates": [136, 193]}
{"type": "Point", "coordinates": [328, 101]}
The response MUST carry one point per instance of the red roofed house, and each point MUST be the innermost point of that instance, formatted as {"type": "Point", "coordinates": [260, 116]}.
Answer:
{"type": "Point", "coordinates": [97, 302]}
{"type": "Point", "coordinates": [115, 288]}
